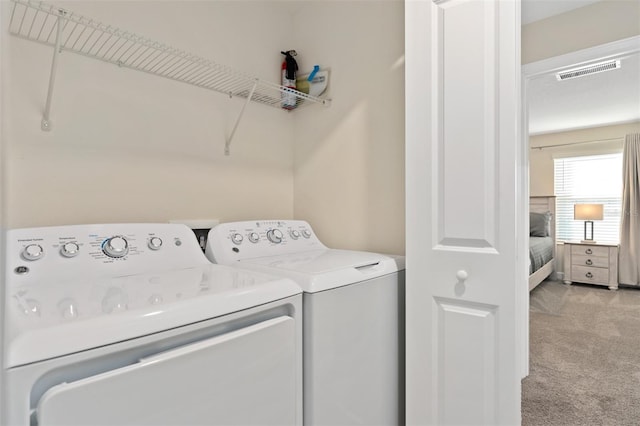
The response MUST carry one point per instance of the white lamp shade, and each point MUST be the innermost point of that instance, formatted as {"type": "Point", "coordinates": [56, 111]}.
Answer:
{"type": "Point", "coordinates": [588, 211]}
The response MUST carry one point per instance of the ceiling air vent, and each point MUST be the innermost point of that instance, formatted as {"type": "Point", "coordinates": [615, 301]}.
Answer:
{"type": "Point", "coordinates": [588, 70]}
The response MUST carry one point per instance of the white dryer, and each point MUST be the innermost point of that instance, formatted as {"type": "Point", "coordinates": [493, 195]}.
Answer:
{"type": "Point", "coordinates": [130, 324]}
{"type": "Point", "coordinates": [353, 312]}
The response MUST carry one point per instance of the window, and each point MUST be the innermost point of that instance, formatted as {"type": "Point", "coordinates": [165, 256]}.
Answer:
{"type": "Point", "coordinates": [592, 180]}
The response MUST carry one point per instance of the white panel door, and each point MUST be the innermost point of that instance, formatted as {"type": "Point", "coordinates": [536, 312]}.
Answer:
{"type": "Point", "coordinates": [464, 274]}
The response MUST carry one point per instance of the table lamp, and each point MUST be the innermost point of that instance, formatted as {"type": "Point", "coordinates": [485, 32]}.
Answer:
{"type": "Point", "coordinates": [588, 213]}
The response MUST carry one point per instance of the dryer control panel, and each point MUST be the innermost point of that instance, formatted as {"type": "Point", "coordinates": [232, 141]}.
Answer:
{"type": "Point", "coordinates": [94, 251]}
{"type": "Point", "coordinates": [234, 241]}
{"type": "Point", "coordinates": [73, 288]}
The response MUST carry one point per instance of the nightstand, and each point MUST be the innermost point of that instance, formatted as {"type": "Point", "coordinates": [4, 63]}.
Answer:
{"type": "Point", "coordinates": [591, 264]}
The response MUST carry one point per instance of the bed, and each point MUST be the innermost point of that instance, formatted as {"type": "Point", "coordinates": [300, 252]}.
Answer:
{"type": "Point", "coordinates": [542, 239]}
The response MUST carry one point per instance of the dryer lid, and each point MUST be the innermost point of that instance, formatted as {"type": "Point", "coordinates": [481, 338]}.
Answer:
{"type": "Point", "coordinates": [52, 319]}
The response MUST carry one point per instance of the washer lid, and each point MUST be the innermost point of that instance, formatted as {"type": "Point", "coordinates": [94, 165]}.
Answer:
{"type": "Point", "coordinates": [52, 319]}
{"type": "Point", "coordinates": [318, 270]}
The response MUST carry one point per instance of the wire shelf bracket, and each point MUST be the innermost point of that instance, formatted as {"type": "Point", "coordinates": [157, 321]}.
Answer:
{"type": "Point", "coordinates": [66, 31]}
{"type": "Point", "coordinates": [235, 126]}
{"type": "Point", "coordinates": [46, 124]}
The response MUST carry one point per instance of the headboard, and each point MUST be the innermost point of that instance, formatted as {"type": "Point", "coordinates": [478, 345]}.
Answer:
{"type": "Point", "coordinates": [543, 204]}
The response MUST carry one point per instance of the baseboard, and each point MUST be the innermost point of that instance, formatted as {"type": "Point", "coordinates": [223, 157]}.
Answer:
{"type": "Point", "coordinates": [559, 276]}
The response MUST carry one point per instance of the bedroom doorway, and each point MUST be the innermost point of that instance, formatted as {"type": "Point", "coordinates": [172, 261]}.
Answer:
{"type": "Point", "coordinates": [538, 81]}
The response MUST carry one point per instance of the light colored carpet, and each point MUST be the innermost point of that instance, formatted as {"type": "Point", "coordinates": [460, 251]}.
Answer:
{"type": "Point", "coordinates": [584, 356]}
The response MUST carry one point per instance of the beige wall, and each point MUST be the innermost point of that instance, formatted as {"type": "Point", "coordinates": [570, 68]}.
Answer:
{"type": "Point", "coordinates": [349, 158]}
{"type": "Point", "coordinates": [588, 26]}
{"type": "Point", "coordinates": [129, 147]}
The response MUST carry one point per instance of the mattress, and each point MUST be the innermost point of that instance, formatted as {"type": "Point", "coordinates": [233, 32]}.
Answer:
{"type": "Point", "coordinates": [540, 252]}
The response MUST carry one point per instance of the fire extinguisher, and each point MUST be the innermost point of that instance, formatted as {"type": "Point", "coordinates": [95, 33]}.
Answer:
{"type": "Point", "coordinates": [289, 69]}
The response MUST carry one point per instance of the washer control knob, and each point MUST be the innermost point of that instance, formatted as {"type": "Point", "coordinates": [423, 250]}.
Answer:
{"type": "Point", "coordinates": [254, 237]}
{"type": "Point", "coordinates": [236, 239]}
{"type": "Point", "coordinates": [115, 246]}
{"type": "Point", "coordinates": [306, 233]}
{"type": "Point", "coordinates": [275, 236]}
{"type": "Point", "coordinates": [294, 234]}
{"type": "Point", "coordinates": [33, 252]}
{"type": "Point", "coordinates": [70, 249]}
{"type": "Point", "coordinates": [155, 243]}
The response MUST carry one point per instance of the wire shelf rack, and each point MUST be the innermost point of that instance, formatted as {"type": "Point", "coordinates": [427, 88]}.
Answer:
{"type": "Point", "coordinates": [66, 31]}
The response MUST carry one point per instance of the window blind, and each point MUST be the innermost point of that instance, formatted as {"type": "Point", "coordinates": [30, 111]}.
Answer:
{"type": "Point", "coordinates": [592, 180]}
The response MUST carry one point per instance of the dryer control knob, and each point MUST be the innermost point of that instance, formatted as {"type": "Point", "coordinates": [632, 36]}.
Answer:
{"type": "Point", "coordinates": [116, 246]}
{"type": "Point", "coordinates": [294, 234]}
{"type": "Point", "coordinates": [155, 243]}
{"type": "Point", "coordinates": [70, 249]}
{"type": "Point", "coordinates": [254, 237]}
{"type": "Point", "coordinates": [275, 236]}
{"type": "Point", "coordinates": [306, 233]}
{"type": "Point", "coordinates": [236, 239]}
{"type": "Point", "coordinates": [33, 252]}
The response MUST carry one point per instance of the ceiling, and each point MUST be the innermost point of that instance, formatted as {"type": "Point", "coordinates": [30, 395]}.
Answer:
{"type": "Point", "coordinates": [607, 98]}
{"type": "Point", "coordinates": [595, 100]}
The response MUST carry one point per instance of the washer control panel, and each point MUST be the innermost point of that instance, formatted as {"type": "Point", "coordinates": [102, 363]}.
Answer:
{"type": "Point", "coordinates": [250, 239]}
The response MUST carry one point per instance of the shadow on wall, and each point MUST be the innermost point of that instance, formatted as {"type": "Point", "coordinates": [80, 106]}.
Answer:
{"type": "Point", "coordinates": [349, 158]}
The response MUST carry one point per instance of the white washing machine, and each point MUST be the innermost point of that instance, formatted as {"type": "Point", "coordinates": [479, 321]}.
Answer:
{"type": "Point", "coordinates": [131, 325]}
{"type": "Point", "coordinates": [353, 312]}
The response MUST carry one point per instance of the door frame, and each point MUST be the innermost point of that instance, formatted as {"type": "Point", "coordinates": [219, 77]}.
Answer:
{"type": "Point", "coordinates": [3, 194]}
{"type": "Point", "coordinates": [530, 71]}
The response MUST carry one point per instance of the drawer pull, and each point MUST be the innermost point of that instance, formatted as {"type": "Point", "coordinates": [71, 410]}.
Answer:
{"type": "Point", "coordinates": [588, 262]}
{"type": "Point", "coordinates": [588, 251]}
{"type": "Point", "coordinates": [589, 275]}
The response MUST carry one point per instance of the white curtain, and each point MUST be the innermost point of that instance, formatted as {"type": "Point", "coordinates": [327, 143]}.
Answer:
{"type": "Point", "coordinates": [629, 258]}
